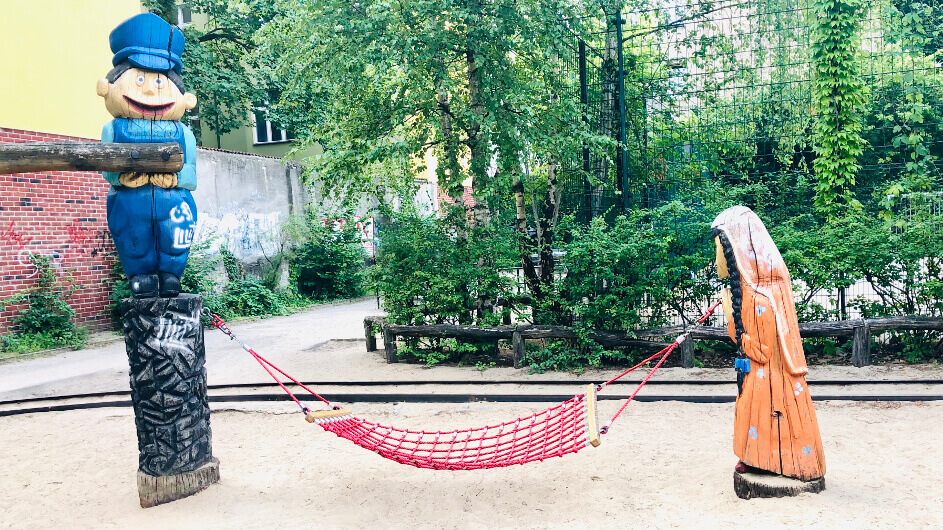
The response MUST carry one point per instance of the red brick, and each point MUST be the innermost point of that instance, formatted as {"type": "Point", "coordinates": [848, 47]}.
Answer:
{"type": "Point", "coordinates": [47, 231]}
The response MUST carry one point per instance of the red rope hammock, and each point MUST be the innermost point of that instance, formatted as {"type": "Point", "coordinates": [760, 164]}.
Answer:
{"type": "Point", "coordinates": [559, 430]}
{"type": "Point", "coordinates": [556, 431]}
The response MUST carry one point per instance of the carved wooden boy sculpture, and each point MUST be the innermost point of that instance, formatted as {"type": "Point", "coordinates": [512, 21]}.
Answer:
{"type": "Point", "coordinates": [151, 215]}
{"type": "Point", "coordinates": [775, 425]}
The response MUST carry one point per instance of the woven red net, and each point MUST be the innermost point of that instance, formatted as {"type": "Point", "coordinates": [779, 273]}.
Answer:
{"type": "Point", "coordinates": [557, 431]}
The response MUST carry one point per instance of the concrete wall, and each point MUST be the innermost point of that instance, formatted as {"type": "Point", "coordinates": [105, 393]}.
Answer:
{"type": "Point", "coordinates": [243, 200]}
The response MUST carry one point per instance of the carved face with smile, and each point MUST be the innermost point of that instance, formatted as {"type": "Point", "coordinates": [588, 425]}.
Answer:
{"type": "Point", "coordinates": [143, 94]}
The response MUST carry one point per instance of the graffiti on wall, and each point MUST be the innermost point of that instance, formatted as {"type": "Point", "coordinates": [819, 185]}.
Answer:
{"type": "Point", "coordinates": [82, 241]}
{"type": "Point", "coordinates": [13, 237]}
{"type": "Point", "coordinates": [249, 235]}
{"type": "Point", "coordinates": [87, 240]}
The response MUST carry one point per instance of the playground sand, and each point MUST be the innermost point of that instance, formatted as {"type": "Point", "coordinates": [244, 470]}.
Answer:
{"type": "Point", "coordinates": [665, 464]}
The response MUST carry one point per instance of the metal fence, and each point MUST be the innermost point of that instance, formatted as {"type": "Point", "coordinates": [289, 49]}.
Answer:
{"type": "Point", "coordinates": [694, 91]}
{"type": "Point", "coordinates": [697, 92]}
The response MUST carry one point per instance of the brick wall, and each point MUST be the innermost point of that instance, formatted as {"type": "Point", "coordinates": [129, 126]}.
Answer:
{"type": "Point", "coordinates": [59, 214]}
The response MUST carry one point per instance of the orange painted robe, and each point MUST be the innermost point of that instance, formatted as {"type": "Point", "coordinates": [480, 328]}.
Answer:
{"type": "Point", "coordinates": [775, 427]}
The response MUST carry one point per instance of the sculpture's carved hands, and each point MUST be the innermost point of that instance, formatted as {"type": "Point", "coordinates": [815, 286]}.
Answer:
{"type": "Point", "coordinates": [726, 298]}
{"type": "Point", "coordinates": [133, 179]}
{"type": "Point", "coordinates": [164, 180]}
{"type": "Point", "coordinates": [754, 349]}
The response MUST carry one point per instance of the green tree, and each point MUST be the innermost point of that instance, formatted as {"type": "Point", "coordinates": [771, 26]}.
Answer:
{"type": "Point", "coordinates": [480, 85]}
{"type": "Point", "coordinates": [216, 63]}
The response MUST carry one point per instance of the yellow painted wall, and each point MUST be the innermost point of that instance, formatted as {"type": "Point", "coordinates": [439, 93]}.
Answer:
{"type": "Point", "coordinates": [52, 52]}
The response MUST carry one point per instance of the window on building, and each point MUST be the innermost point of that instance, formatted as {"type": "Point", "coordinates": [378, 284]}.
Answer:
{"type": "Point", "coordinates": [266, 132]}
{"type": "Point", "coordinates": [184, 16]}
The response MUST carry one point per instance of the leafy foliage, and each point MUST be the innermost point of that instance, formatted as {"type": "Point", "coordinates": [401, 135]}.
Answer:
{"type": "Point", "coordinates": [328, 264]}
{"type": "Point", "coordinates": [838, 94]}
{"type": "Point", "coordinates": [216, 64]}
{"type": "Point", "coordinates": [426, 275]}
{"type": "Point", "coordinates": [394, 81]}
{"type": "Point", "coordinates": [249, 297]}
{"type": "Point", "coordinates": [46, 321]}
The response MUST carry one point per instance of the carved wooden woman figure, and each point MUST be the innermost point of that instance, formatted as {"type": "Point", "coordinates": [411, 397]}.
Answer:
{"type": "Point", "coordinates": [775, 425]}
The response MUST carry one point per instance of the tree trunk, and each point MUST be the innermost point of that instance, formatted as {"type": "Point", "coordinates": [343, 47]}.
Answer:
{"type": "Point", "coordinates": [478, 144]}
{"type": "Point", "coordinates": [525, 244]}
{"type": "Point", "coordinates": [449, 173]}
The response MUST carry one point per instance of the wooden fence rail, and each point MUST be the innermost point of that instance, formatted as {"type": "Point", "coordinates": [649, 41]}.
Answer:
{"type": "Point", "coordinates": [859, 329]}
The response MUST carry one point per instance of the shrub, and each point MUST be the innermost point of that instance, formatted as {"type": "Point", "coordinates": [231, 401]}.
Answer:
{"type": "Point", "coordinates": [200, 275]}
{"type": "Point", "coordinates": [328, 264]}
{"type": "Point", "coordinates": [46, 321]}
{"type": "Point", "coordinates": [250, 298]}
{"type": "Point", "coordinates": [427, 275]}
{"type": "Point", "coordinates": [638, 271]}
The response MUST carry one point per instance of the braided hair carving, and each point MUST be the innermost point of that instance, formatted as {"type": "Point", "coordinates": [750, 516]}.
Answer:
{"type": "Point", "coordinates": [736, 289]}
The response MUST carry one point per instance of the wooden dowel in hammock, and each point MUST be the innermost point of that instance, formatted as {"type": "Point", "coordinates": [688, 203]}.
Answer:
{"type": "Point", "coordinates": [592, 422]}
{"type": "Point", "coordinates": [314, 417]}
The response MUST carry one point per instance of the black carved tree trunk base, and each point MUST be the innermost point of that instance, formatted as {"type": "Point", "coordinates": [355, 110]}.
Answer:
{"type": "Point", "coordinates": [164, 340]}
{"type": "Point", "coordinates": [750, 485]}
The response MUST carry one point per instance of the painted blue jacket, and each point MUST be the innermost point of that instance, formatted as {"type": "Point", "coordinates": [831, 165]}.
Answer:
{"type": "Point", "coordinates": [132, 130]}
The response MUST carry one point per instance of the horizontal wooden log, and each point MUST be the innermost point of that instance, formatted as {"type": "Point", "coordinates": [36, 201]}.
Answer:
{"type": "Point", "coordinates": [451, 331]}
{"type": "Point", "coordinates": [604, 338]}
{"type": "Point", "coordinates": [701, 333]}
{"type": "Point", "coordinates": [806, 330]}
{"type": "Point", "coordinates": [905, 323]}
{"type": "Point", "coordinates": [839, 328]}
{"type": "Point", "coordinates": [645, 338]}
{"type": "Point", "coordinates": [90, 156]}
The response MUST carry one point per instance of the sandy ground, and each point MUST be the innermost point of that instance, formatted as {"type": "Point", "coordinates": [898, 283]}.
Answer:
{"type": "Point", "coordinates": [664, 464]}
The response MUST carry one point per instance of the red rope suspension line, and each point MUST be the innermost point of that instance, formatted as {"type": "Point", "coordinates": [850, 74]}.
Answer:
{"type": "Point", "coordinates": [557, 431]}
{"type": "Point", "coordinates": [293, 380]}
{"type": "Point", "coordinates": [289, 392]}
{"type": "Point", "coordinates": [630, 370]}
{"type": "Point", "coordinates": [216, 321]}
{"type": "Point", "coordinates": [605, 428]}
{"type": "Point", "coordinates": [664, 355]}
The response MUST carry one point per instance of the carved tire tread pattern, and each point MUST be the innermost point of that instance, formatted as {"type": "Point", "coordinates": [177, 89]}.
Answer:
{"type": "Point", "coordinates": [164, 341]}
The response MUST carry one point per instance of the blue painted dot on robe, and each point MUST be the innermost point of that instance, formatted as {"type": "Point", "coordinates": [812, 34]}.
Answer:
{"type": "Point", "coordinates": [760, 310]}
{"type": "Point", "coordinates": [759, 373]}
{"type": "Point", "coordinates": [799, 389]}
{"type": "Point", "coordinates": [752, 433]}
{"type": "Point", "coordinates": [807, 449]}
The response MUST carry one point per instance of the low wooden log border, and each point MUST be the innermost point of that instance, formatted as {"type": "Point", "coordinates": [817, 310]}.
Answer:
{"type": "Point", "coordinates": [859, 329]}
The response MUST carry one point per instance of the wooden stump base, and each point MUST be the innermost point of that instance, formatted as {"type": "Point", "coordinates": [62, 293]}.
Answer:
{"type": "Point", "coordinates": [160, 490]}
{"type": "Point", "coordinates": [763, 485]}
